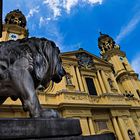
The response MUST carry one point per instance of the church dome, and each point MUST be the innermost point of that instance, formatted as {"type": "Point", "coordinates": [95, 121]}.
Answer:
{"type": "Point", "coordinates": [16, 17]}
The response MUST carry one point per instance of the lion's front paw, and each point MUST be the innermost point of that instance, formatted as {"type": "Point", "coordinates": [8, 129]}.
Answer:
{"type": "Point", "coordinates": [49, 113]}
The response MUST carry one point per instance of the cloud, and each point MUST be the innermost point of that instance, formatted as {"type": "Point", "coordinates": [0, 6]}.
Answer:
{"type": "Point", "coordinates": [135, 63]}
{"type": "Point", "coordinates": [94, 1]}
{"type": "Point", "coordinates": [43, 21]}
{"type": "Point", "coordinates": [128, 28]}
{"type": "Point", "coordinates": [54, 5]}
{"type": "Point", "coordinates": [59, 6]}
{"type": "Point", "coordinates": [68, 4]}
{"type": "Point", "coordinates": [32, 12]}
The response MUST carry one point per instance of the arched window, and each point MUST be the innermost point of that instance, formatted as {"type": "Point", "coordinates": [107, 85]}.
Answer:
{"type": "Point", "coordinates": [91, 86]}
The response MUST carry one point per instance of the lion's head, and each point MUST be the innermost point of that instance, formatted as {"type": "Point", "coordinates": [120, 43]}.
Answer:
{"type": "Point", "coordinates": [59, 71]}
{"type": "Point", "coordinates": [50, 63]}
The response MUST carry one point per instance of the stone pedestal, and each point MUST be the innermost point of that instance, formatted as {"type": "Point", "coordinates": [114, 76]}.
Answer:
{"type": "Point", "coordinates": [45, 129]}
{"type": "Point", "coordinates": [38, 128]}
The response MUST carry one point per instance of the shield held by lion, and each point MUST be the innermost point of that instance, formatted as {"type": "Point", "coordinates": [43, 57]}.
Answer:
{"type": "Point", "coordinates": [26, 64]}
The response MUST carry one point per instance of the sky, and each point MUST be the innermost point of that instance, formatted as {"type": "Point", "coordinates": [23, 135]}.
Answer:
{"type": "Point", "coordinates": [74, 24]}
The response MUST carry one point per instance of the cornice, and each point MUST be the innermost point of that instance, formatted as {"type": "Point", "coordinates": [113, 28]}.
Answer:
{"type": "Point", "coordinates": [67, 54]}
{"type": "Point", "coordinates": [94, 106]}
{"type": "Point", "coordinates": [126, 75]}
{"type": "Point", "coordinates": [112, 95]}
{"type": "Point", "coordinates": [14, 28]}
{"type": "Point", "coordinates": [113, 52]}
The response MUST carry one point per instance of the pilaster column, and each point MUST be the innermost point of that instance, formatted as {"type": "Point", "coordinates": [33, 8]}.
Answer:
{"type": "Point", "coordinates": [135, 84]}
{"type": "Point", "coordinates": [105, 81]}
{"type": "Point", "coordinates": [117, 130]}
{"type": "Point", "coordinates": [123, 128]}
{"type": "Point", "coordinates": [128, 65]}
{"type": "Point", "coordinates": [134, 129]}
{"type": "Point", "coordinates": [101, 82]}
{"type": "Point", "coordinates": [117, 64]}
{"type": "Point", "coordinates": [79, 79]}
{"type": "Point", "coordinates": [91, 127]}
{"type": "Point", "coordinates": [85, 84]}
{"type": "Point", "coordinates": [98, 86]}
{"type": "Point", "coordinates": [75, 78]}
{"type": "Point", "coordinates": [112, 60]}
{"type": "Point", "coordinates": [115, 83]}
{"type": "Point", "coordinates": [133, 89]}
{"type": "Point", "coordinates": [125, 86]}
{"type": "Point", "coordinates": [84, 126]}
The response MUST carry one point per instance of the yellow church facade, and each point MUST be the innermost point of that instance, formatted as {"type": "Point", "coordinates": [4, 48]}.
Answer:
{"type": "Point", "coordinates": [102, 92]}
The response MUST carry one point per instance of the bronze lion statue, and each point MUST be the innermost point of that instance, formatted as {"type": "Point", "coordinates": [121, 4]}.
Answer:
{"type": "Point", "coordinates": [25, 65]}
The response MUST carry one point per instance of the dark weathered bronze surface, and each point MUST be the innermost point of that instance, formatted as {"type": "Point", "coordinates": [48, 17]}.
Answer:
{"type": "Point", "coordinates": [26, 64]}
{"type": "Point", "coordinates": [38, 128]}
{"type": "Point", "coordinates": [1, 18]}
{"type": "Point", "coordinates": [45, 129]}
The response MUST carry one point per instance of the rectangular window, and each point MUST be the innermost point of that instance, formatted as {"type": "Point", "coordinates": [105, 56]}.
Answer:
{"type": "Point", "coordinates": [91, 86]}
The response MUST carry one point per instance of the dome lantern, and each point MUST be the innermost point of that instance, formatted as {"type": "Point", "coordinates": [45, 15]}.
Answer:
{"type": "Point", "coordinates": [16, 17]}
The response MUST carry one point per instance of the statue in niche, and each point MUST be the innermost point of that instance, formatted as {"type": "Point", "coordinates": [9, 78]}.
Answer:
{"type": "Point", "coordinates": [84, 60]}
{"type": "Point", "coordinates": [110, 83]}
{"type": "Point", "coordinates": [68, 79]}
{"type": "Point", "coordinates": [131, 134]}
{"type": "Point", "coordinates": [24, 66]}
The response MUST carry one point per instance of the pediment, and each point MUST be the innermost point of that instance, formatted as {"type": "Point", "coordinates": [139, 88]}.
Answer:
{"type": "Point", "coordinates": [84, 59]}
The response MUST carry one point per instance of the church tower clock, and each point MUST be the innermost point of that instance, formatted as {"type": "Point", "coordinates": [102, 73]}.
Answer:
{"type": "Point", "coordinates": [125, 76]}
{"type": "Point", "coordinates": [14, 27]}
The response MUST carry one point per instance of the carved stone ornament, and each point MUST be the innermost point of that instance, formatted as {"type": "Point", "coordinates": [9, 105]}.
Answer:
{"type": "Point", "coordinates": [76, 97]}
{"type": "Point", "coordinates": [111, 83]}
{"type": "Point", "coordinates": [68, 79]}
{"type": "Point", "coordinates": [131, 134]}
{"type": "Point", "coordinates": [85, 61]}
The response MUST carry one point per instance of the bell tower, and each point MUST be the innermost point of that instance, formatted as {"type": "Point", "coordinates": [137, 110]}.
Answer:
{"type": "Point", "coordinates": [14, 26]}
{"type": "Point", "coordinates": [125, 76]}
